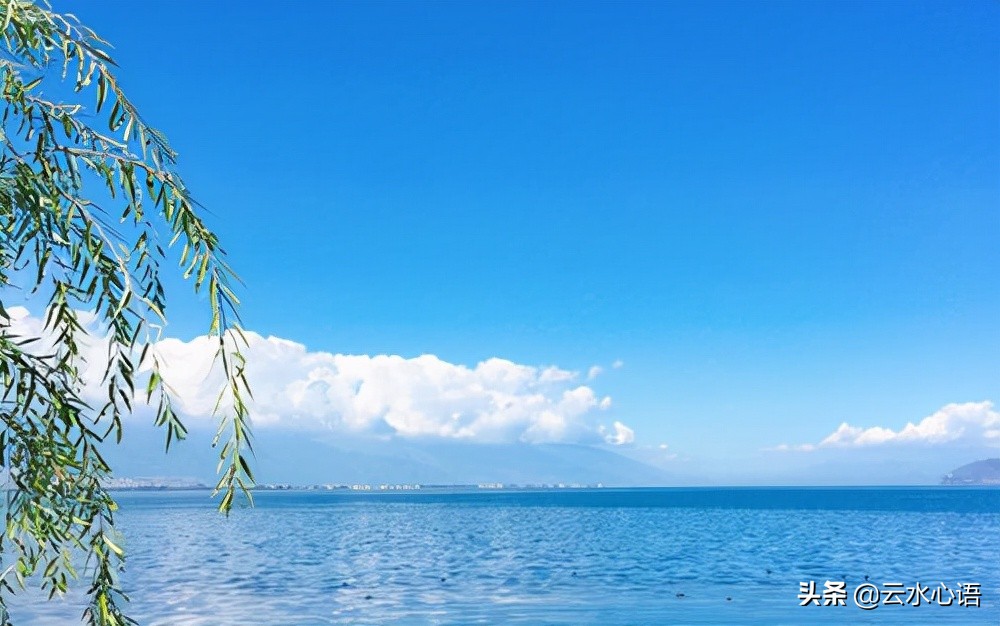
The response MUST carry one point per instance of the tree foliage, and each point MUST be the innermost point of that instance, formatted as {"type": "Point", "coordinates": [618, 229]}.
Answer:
{"type": "Point", "coordinates": [87, 190]}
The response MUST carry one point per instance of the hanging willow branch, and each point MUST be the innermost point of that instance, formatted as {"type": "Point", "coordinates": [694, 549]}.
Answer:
{"type": "Point", "coordinates": [86, 193]}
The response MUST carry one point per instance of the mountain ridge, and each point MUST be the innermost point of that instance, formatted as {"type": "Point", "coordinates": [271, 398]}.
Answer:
{"type": "Point", "coordinates": [984, 472]}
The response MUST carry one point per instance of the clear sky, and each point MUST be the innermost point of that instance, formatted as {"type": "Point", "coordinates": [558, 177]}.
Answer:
{"type": "Point", "coordinates": [774, 217]}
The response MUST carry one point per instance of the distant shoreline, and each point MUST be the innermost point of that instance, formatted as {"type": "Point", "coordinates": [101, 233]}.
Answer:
{"type": "Point", "coordinates": [510, 488]}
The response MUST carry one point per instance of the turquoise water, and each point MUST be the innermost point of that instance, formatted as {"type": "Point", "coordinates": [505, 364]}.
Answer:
{"type": "Point", "coordinates": [607, 556]}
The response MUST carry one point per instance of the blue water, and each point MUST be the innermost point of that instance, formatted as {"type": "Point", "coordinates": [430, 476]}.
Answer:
{"type": "Point", "coordinates": [603, 556]}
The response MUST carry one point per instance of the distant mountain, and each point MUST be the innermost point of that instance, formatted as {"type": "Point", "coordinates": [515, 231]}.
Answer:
{"type": "Point", "coordinates": [985, 472]}
{"type": "Point", "coordinates": [436, 462]}
{"type": "Point", "coordinates": [300, 458]}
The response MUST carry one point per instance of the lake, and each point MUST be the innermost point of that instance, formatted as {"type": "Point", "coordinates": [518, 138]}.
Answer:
{"type": "Point", "coordinates": [569, 556]}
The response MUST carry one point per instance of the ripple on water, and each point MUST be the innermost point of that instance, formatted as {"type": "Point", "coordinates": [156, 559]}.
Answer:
{"type": "Point", "coordinates": [441, 562]}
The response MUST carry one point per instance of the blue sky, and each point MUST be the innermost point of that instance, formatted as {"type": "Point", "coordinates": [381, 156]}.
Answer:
{"type": "Point", "coordinates": [778, 217]}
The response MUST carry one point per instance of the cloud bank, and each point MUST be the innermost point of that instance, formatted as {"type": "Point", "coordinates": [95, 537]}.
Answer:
{"type": "Point", "coordinates": [495, 401]}
{"type": "Point", "coordinates": [969, 422]}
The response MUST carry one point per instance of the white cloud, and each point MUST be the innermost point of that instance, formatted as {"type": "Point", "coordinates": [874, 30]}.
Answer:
{"type": "Point", "coordinates": [594, 372]}
{"type": "Point", "coordinates": [555, 375]}
{"type": "Point", "coordinates": [973, 422]}
{"type": "Point", "coordinates": [618, 364]}
{"type": "Point", "coordinates": [664, 455]}
{"type": "Point", "coordinates": [495, 401]}
{"type": "Point", "coordinates": [622, 435]}
{"type": "Point", "coordinates": [784, 447]}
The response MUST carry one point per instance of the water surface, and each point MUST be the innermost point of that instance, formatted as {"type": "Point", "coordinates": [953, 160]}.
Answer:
{"type": "Point", "coordinates": [603, 556]}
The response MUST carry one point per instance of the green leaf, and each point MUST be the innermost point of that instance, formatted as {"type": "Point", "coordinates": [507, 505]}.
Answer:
{"type": "Point", "coordinates": [54, 231]}
{"type": "Point", "coordinates": [101, 91]}
{"type": "Point", "coordinates": [114, 547]}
